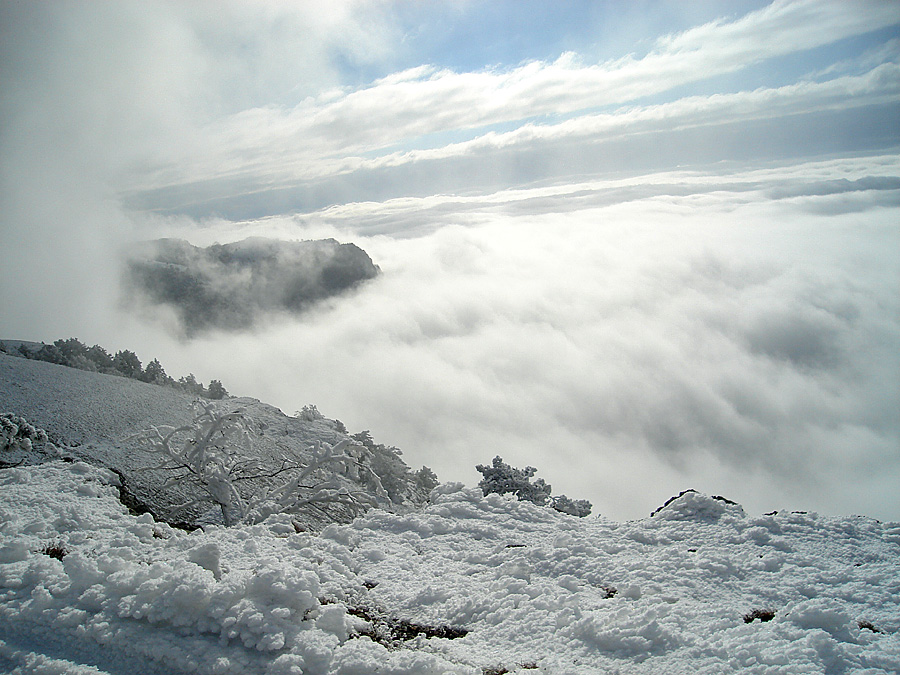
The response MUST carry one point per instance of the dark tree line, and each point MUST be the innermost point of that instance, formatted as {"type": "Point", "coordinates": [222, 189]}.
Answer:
{"type": "Point", "coordinates": [75, 354]}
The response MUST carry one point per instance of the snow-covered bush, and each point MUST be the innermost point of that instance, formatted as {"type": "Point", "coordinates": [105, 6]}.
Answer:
{"type": "Point", "coordinates": [213, 453]}
{"type": "Point", "coordinates": [402, 485]}
{"type": "Point", "coordinates": [310, 413]}
{"type": "Point", "coordinates": [574, 507]}
{"type": "Point", "coordinates": [216, 390]}
{"type": "Point", "coordinates": [17, 434]}
{"type": "Point", "coordinates": [426, 480]}
{"type": "Point", "coordinates": [501, 478]}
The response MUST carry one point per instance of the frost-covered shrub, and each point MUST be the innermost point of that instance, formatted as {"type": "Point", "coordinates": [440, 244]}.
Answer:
{"type": "Point", "coordinates": [426, 480]}
{"type": "Point", "coordinates": [402, 485]}
{"type": "Point", "coordinates": [574, 507]}
{"type": "Point", "coordinates": [213, 453]}
{"type": "Point", "coordinates": [310, 413]}
{"type": "Point", "coordinates": [17, 434]}
{"type": "Point", "coordinates": [501, 478]}
{"type": "Point", "coordinates": [216, 390]}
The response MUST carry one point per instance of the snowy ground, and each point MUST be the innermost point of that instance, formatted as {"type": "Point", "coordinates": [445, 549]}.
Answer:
{"type": "Point", "coordinates": [78, 406]}
{"type": "Point", "coordinates": [87, 588]}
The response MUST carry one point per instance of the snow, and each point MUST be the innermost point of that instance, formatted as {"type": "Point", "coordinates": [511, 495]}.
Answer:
{"type": "Point", "coordinates": [537, 590]}
{"type": "Point", "coordinates": [80, 406]}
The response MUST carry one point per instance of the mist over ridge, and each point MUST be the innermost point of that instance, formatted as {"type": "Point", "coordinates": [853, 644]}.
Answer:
{"type": "Point", "coordinates": [233, 286]}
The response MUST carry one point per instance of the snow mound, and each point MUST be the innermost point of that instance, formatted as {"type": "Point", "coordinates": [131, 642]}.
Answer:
{"type": "Point", "coordinates": [692, 505]}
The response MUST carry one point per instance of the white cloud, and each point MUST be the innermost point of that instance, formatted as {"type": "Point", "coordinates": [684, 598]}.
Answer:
{"type": "Point", "coordinates": [91, 93]}
{"type": "Point", "coordinates": [783, 27]}
{"type": "Point", "coordinates": [410, 115]}
{"type": "Point", "coordinates": [881, 85]}
{"type": "Point", "coordinates": [656, 136]}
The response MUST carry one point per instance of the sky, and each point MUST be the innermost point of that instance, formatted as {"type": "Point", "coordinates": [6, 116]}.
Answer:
{"type": "Point", "coordinates": [641, 246]}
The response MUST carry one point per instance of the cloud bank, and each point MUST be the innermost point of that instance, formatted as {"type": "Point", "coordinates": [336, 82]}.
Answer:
{"type": "Point", "coordinates": [736, 333]}
{"type": "Point", "coordinates": [426, 130]}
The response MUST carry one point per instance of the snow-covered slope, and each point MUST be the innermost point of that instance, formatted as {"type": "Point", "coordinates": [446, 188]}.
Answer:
{"type": "Point", "coordinates": [96, 416]}
{"type": "Point", "coordinates": [490, 585]}
{"type": "Point", "coordinates": [78, 406]}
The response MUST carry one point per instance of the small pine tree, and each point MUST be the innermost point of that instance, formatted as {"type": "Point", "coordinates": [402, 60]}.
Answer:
{"type": "Point", "coordinates": [310, 413]}
{"type": "Point", "coordinates": [426, 480]}
{"type": "Point", "coordinates": [501, 478]}
{"type": "Point", "coordinates": [154, 373]}
{"type": "Point", "coordinates": [128, 364]}
{"type": "Point", "coordinates": [216, 391]}
{"type": "Point", "coordinates": [191, 385]}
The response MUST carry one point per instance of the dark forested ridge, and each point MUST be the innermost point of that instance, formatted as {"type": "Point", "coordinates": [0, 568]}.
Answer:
{"type": "Point", "coordinates": [232, 286]}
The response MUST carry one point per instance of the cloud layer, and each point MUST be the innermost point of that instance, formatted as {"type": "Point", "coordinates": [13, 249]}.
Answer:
{"type": "Point", "coordinates": [735, 333]}
{"type": "Point", "coordinates": [441, 124]}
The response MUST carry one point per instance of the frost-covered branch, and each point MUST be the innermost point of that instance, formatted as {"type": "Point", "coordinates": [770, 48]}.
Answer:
{"type": "Point", "coordinates": [211, 452]}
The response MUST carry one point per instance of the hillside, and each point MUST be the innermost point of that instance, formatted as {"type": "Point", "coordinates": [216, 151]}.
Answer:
{"type": "Point", "coordinates": [465, 584]}
{"type": "Point", "coordinates": [94, 416]}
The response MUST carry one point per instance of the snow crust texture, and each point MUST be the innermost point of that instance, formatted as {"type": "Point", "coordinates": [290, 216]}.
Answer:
{"type": "Point", "coordinates": [701, 587]}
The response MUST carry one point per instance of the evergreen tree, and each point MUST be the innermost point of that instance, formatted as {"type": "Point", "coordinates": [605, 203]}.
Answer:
{"type": "Point", "coordinates": [128, 364]}
{"type": "Point", "coordinates": [216, 391]}
{"type": "Point", "coordinates": [154, 373]}
{"type": "Point", "coordinates": [71, 350]}
{"type": "Point", "coordinates": [101, 359]}
{"type": "Point", "coordinates": [501, 478]}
